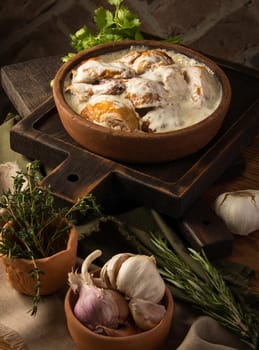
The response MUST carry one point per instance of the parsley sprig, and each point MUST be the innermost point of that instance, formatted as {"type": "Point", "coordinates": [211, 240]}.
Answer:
{"type": "Point", "coordinates": [112, 26]}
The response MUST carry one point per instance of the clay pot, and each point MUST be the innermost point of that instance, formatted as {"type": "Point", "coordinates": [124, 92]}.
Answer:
{"type": "Point", "coordinates": [54, 267]}
{"type": "Point", "coordinates": [85, 339]}
{"type": "Point", "coordinates": [136, 147]}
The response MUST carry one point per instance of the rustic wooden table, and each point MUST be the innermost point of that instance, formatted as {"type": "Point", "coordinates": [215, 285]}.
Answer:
{"type": "Point", "coordinates": [28, 87]}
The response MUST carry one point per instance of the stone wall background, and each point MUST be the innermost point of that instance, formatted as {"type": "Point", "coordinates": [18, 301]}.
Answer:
{"type": "Point", "coordinates": [228, 29]}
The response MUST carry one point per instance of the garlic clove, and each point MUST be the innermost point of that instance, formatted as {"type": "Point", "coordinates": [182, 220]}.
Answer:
{"type": "Point", "coordinates": [98, 282]}
{"type": "Point", "coordinates": [239, 210]}
{"type": "Point", "coordinates": [122, 331]}
{"type": "Point", "coordinates": [111, 268]}
{"type": "Point", "coordinates": [146, 314]}
{"type": "Point", "coordinates": [138, 277]}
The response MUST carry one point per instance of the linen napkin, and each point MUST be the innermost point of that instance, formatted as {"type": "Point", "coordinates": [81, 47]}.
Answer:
{"type": "Point", "coordinates": [205, 333]}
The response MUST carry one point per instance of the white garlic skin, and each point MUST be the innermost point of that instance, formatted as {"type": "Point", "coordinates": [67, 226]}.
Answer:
{"type": "Point", "coordinates": [138, 277]}
{"type": "Point", "coordinates": [239, 210]}
{"type": "Point", "coordinates": [111, 268]}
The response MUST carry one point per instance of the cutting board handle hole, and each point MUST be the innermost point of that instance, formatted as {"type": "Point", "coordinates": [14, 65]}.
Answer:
{"type": "Point", "coordinates": [206, 222]}
{"type": "Point", "coordinates": [73, 178]}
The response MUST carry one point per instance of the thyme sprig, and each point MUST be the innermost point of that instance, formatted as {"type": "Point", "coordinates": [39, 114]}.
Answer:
{"type": "Point", "coordinates": [39, 228]}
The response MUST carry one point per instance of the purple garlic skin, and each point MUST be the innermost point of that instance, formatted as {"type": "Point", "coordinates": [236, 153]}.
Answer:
{"type": "Point", "coordinates": [146, 314]}
{"type": "Point", "coordinates": [97, 307]}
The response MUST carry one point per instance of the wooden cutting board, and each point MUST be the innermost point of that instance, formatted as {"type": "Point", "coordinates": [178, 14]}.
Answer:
{"type": "Point", "coordinates": [171, 188]}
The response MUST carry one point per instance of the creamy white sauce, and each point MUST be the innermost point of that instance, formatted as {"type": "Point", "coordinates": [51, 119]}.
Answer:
{"type": "Point", "coordinates": [179, 94]}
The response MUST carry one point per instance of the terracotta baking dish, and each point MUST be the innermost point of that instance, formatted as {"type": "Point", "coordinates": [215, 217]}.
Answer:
{"type": "Point", "coordinates": [136, 147]}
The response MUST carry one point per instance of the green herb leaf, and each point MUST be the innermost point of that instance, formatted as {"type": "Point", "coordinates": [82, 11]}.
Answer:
{"type": "Point", "coordinates": [115, 2]}
{"type": "Point", "coordinates": [112, 26]}
{"type": "Point", "coordinates": [103, 18]}
{"type": "Point", "coordinates": [174, 40]}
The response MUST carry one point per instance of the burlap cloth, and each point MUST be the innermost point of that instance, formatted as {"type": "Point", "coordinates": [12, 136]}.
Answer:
{"type": "Point", "coordinates": [19, 330]}
{"type": "Point", "coordinates": [10, 339]}
{"type": "Point", "coordinates": [46, 331]}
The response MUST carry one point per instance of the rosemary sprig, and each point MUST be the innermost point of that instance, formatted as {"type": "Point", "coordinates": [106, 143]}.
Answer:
{"type": "Point", "coordinates": [212, 295]}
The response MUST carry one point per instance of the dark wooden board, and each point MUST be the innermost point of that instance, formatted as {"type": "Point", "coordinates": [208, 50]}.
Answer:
{"type": "Point", "coordinates": [170, 188]}
{"type": "Point", "coordinates": [27, 84]}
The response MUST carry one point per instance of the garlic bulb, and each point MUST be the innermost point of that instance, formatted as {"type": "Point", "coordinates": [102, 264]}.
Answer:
{"type": "Point", "coordinates": [239, 210]}
{"type": "Point", "coordinates": [97, 307]}
{"type": "Point", "coordinates": [136, 276]}
{"type": "Point", "coordinates": [110, 269]}
{"type": "Point", "coordinates": [146, 314]}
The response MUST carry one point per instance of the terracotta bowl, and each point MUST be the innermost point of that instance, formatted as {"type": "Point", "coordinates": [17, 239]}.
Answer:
{"type": "Point", "coordinates": [55, 268]}
{"type": "Point", "coordinates": [136, 147]}
{"type": "Point", "coordinates": [85, 339]}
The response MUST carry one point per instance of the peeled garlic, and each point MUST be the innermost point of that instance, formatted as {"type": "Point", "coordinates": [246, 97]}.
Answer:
{"type": "Point", "coordinates": [136, 276]}
{"type": "Point", "coordinates": [239, 210]}
{"type": "Point", "coordinates": [146, 314]}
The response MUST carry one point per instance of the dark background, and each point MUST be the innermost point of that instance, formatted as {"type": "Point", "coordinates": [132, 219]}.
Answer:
{"type": "Point", "coordinates": [228, 29]}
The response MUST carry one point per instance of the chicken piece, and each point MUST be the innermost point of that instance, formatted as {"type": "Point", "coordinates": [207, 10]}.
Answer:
{"type": "Point", "coordinates": [129, 58]}
{"type": "Point", "coordinates": [84, 91]}
{"type": "Point", "coordinates": [172, 78]}
{"type": "Point", "coordinates": [111, 111]}
{"type": "Point", "coordinates": [145, 93]}
{"type": "Point", "coordinates": [162, 119]}
{"type": "Point", "coordinates": [93, 70]}
{"type": "Point", "coordinates": [141, 61]}
{"type": "Point", "coordinates": [203, 86]}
